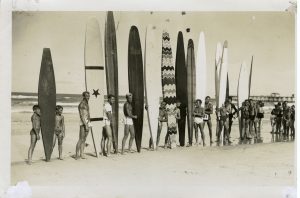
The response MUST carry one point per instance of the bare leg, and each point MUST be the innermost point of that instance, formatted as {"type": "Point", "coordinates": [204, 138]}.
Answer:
{"type": "Point", "coordinates": [33, 140]}
{"type": "Point", "coordinates": [158, 133]}
{"type": "Point", "coordinates": [202, 133]}
{"type": "Point", "coordinates": [60, 141]}
{"type": "Point", "coordinates": [132, 136]}
{"type": "Point", "coordinates": [102, 144]}
{"type": "Point", "coordinates": [209, 124]}
{"type": "Point", "coordinates": [108, 133]}
{"type": "Point", "coordinates": [196, 132]}
{"type": "Point", "coordinates": [126, 133]}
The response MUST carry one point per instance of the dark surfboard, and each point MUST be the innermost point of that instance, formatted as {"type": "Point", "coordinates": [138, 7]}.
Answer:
{"type": "Point", "coordinates": [227, 87]}
{"type": "Point", "coordinates": [111, 68]}
{"type": "Point", "coordinates": [250, 77]}
{"type": "Point", "coordinates": [190, 62]}
{"type": "Point", "coordinates": [181, 86]}
{"type": "Point", "coordinates": [47, 101]}
{"type": "Point", "coordinates": [136, 82]}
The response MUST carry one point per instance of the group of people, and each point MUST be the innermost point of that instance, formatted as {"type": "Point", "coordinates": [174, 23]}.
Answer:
{"type": "Point", "coordinates": [250, 114]}
{"type": "Point", "coordinates": [283, 119]}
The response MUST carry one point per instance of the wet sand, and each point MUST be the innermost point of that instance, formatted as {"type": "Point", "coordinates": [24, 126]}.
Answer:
{"type": "Point", "coordinates": [240, 170]}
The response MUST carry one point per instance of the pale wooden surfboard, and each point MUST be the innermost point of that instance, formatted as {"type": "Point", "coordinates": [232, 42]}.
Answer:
{"type": "Point", "coordinates": [201, 69]}
{"type": "Point", "coordinates": [223, 79]}
{"type": "Point", "coordinates": [152, 78]}
{"type": "Point", "coordinates": [242, 90]}
{"type": "Point", "coordinates": [94, 74]}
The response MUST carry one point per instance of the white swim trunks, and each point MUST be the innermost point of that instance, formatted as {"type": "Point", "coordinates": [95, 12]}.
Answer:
{"type": "Point", "coordinates": [198, 120]}
{"type": "Point", "coordinates": [128, 121]}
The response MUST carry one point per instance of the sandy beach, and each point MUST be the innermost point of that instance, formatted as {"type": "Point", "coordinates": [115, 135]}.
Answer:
{"type": "Point", "coordinates": [240, 170]}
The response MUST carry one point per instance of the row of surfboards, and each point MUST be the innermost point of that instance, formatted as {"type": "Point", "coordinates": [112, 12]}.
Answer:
{"type": "Point", "coordinates": [152, 76]}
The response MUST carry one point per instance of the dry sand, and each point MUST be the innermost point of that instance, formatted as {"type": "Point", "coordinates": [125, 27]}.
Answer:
{"type": "Point", "coordinates": [247, 170]}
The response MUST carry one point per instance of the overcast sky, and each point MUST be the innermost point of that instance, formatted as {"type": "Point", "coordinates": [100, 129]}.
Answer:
{"type": "Point", "coordinates": [269, 36]}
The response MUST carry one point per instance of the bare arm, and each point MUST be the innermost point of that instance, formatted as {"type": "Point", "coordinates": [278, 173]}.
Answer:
{"type": "Point", "coordinates": [129, 113]}
{"type": "Point", "coordinates": [63, 125]}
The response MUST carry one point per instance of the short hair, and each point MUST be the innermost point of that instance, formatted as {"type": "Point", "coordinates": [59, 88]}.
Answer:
{"type": "Point", "coordinates": [34, 107]}
{"type": "Point", "coordinates": [85, 92]}
{"type": "Point", "coordinates": [110, 96]}
{"type": "Point", "coordinates": [128, 94]}
{"type": "Point", "coordinates": [59, 107]}
{"type": "Point", "coordinates": [199, 100]}
{"type": "Point", "coordinates": [207, 97]}
{"type": "Point", "coordinates": [229, 97]}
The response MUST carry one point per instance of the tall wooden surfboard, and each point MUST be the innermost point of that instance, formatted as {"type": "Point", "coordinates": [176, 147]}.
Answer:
{"type": "Point", "coordinates": [168, 73]}
{"type": "Point", "coordinates": [223, 78]}
{"type": "Point", "coordinates": [218, 60]}
{"type": "Point", "coordinates": [242, 90]}
{"type": "Point", "coordinates": [111, 68]}
{"type": "Point", "coordinates": [47, 101]}
{"type": "Point", "coordinates": [181, 86]}
{"type": "Point", "coordinates": [152, 79]}
{"type": "Point", "coordinates": [190, 87]}
{"type": "Point", "coordinates": [250, 76]}
{"type": "Point", "coordinates": [227, 87]}
{"type": "Point", "coordinates": [94, 69]}
{"type": "Point", "coordinates": [136, 82]}
{"type": "Point", "coordinates": [201, 69]}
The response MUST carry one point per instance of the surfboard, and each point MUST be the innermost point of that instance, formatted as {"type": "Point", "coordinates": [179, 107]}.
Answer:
{"type": "Point", "coordinates": [47, 101]}
{"type": "Point", "coordinates": [190, 87]}
{"type": "Point", "coordinates": [227, 88]}
{"type": "Point", "coordinates": [94, 73]}
{"type": "Point", "coordinates": [136, 82]}
{"type": "Point", "coordinates": [223, 78]}
{"type": "Point", "coordinates": [218, 60]}
{"type": "Point", "coordinates": [153, 89]}
{"type": "Point", "coordinates": [168, 73]}
{"type": "Point", "coordinates": [181, 86]}
{"type": "Point", "coordinates": [94, 69]}
{"type": "Point", "coordinates": [201, 69]}
{"type": "Point", "coordinates": [168, 83]}
{"type": "Point", "coordinates": [250, 76]}
{"type": "Point", "coordinates": [242, 90]}
{"type": "Point", "coordinates": [111, 68]}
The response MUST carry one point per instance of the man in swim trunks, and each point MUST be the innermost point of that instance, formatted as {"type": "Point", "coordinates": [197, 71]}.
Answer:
{"type": "Point", "coordinates": [163, 117]}
{"type": "Point", "coordinates": [35, 131]}
{"type": "Point", "coordinates": [245, 114]}
{"type": "Point", "coordinates": [273, 118]}
{"type": "Point", "coordinates": [129, 128]}
{"type": "Point", "coordinates": [107, 129]}
{"type": "Point", "coordinates": [278, 113]}
{"type": "Point", "coordinates": [252, 117]}
{"type": "Point", "coordinates": [84, 114]}
{"type": "Point", "coordinates": [233, 111]}
{"type": "Point", "coordinates": [286, 118]}
{"type": "Point", "coordinates": [198, 120]}
{"type": "Point", "coordinates": [59, 131]}
{"type": "Point", "coordinates": [208, 110]}
{"type": "Point", "coordinates": [224, 112]}
{"type": "Point", "coordinates": [292, 123]}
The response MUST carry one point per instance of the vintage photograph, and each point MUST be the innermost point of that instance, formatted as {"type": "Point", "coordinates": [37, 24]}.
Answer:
{"type": "Point", "coordinates": [154, 103]}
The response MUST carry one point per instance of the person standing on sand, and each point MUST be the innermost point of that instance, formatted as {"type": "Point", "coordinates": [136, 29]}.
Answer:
{"type": "Point", "coordinates": [273, 119]}
{"type": "Point", "coordinates": [224, 112]}
{"type": "Point", "coordinates": [245, 120]}
{"type": "Point", "coordinates": [260, 116]}
{"type": "Point", "coordinates": [85, 124]}
{"type": "Point", "coordinates": [278, 113]}
{"type": "Point", "coordinates": [107, 128]}
{"type": "Point", "coordinates": [129, 128]}
{"type": "Point", "coordinates": [252, 117]}
{"type": "Point", "coordinates": [208, 110]}
{"type": "Point", "coordinates": [292, 123]}
{"type": "Point", "coordinates": [233, 111]}
{"type": "Point", "coordinates": [198, 120]}
{"type": "Point", "coordinates": [286, 116]}
{"type": "Point", "coordinates": [35, 131]}
{"type": "Point", "coordinates": [163, 117]}
{"type": "Point", "coordinates": [59, 131]}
